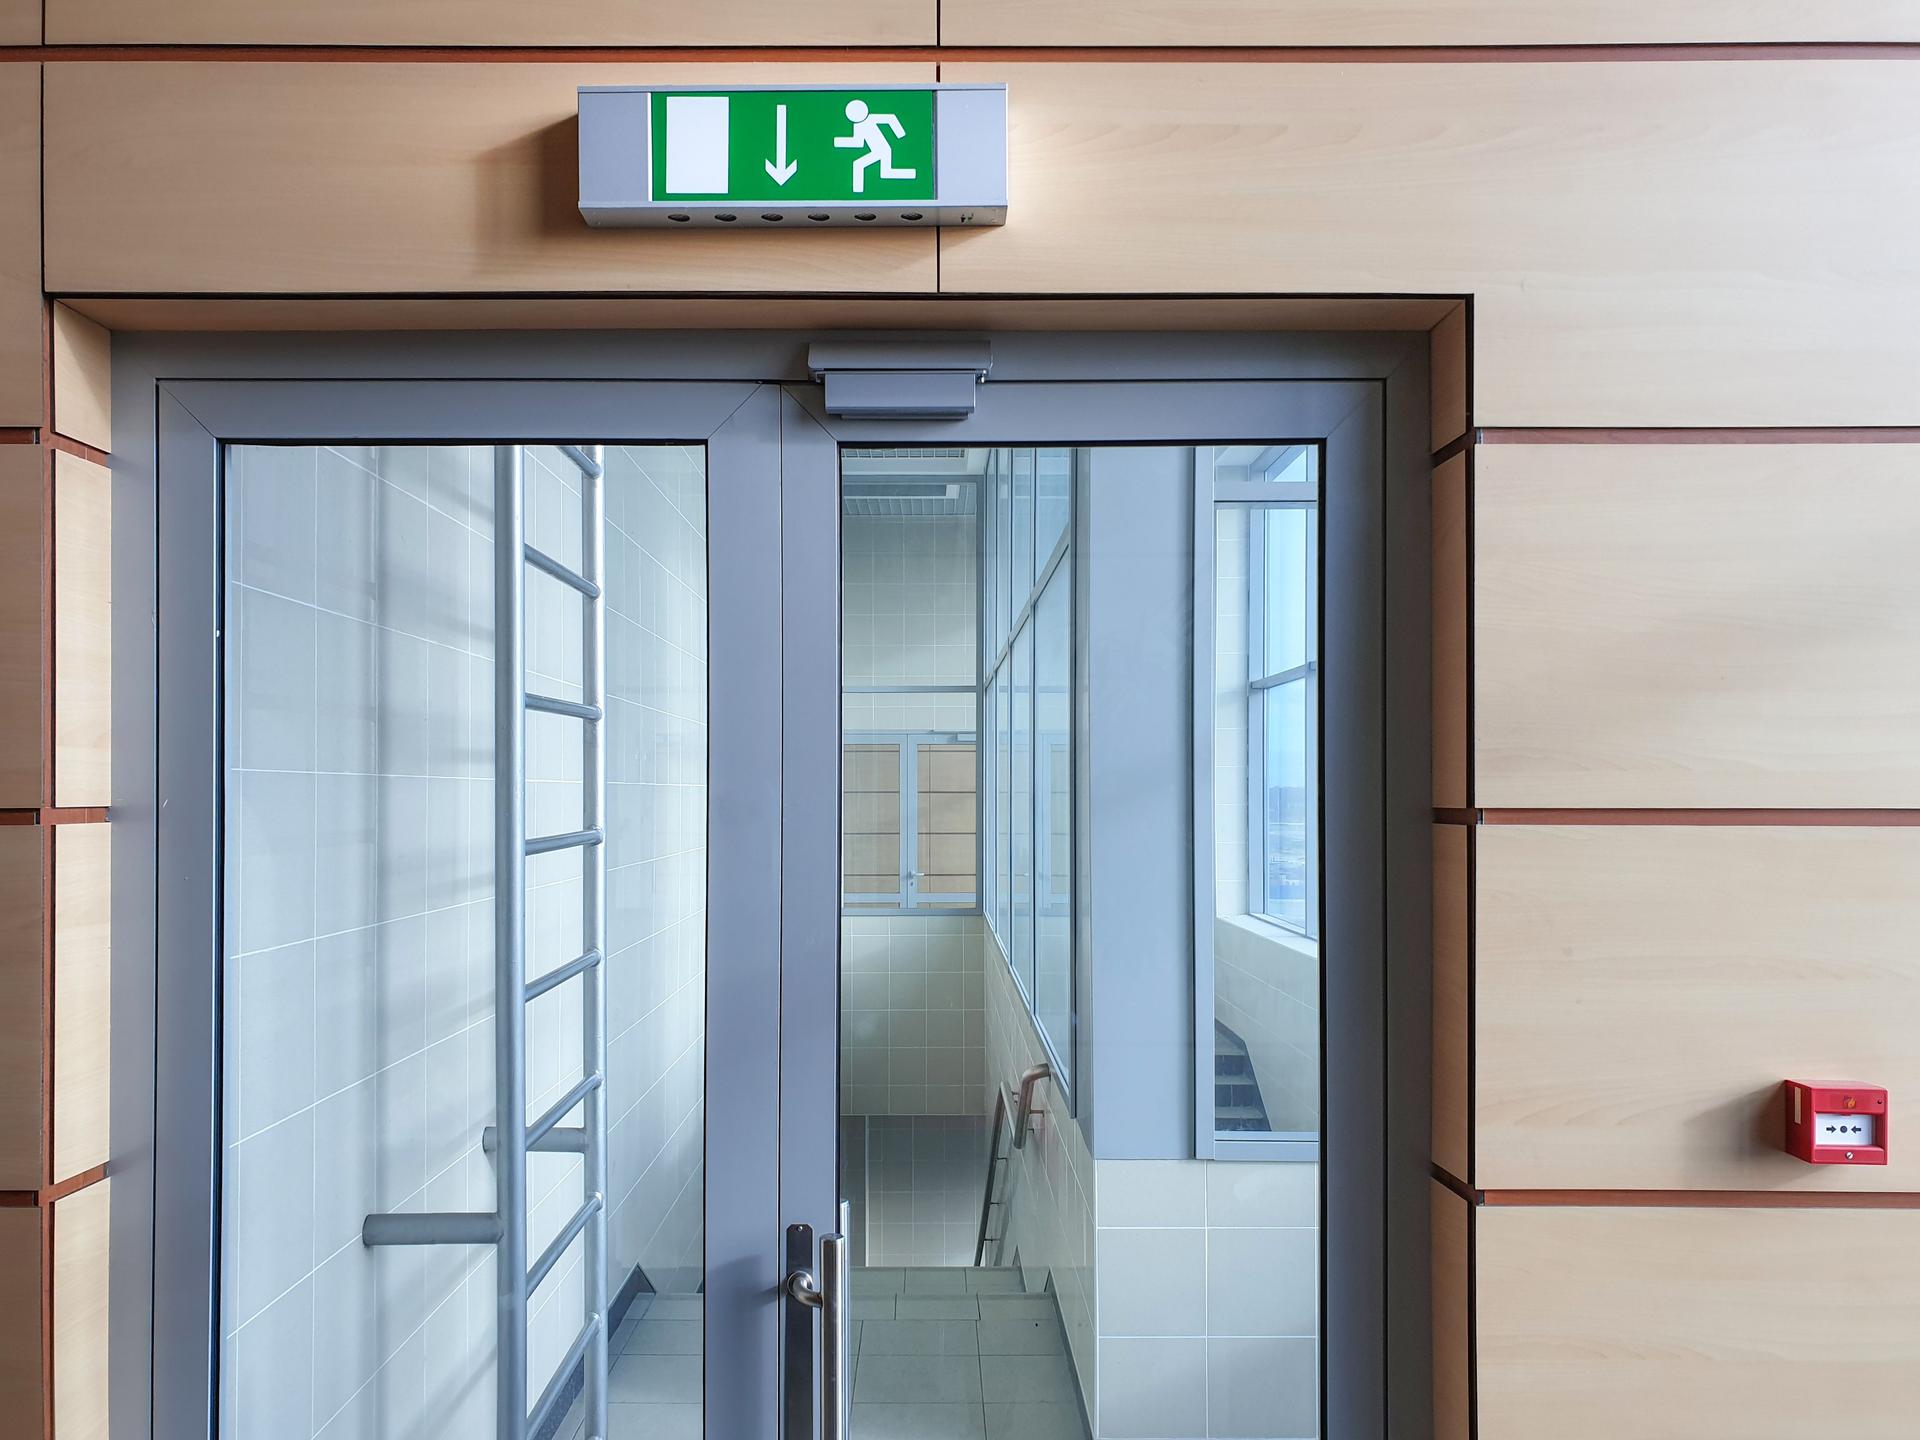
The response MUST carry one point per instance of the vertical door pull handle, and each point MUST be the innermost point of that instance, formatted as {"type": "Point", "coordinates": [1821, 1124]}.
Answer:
{"type": "Point", "coordinates": [829, 1294]}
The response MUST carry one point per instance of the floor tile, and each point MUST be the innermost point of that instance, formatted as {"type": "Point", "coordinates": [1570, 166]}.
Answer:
{"type": "Point", "coordinates": [1022, 1337]}
{"type": "Point", "coordinates": [1017, 1307]}
{"type": "Point", "coordinates": [937, 1307]}
{"type": "Point", "coordinates": [656, 1379]}
{"type": "Point", "coordinates": [917, 1422]}
{"type": "Point", "coordinates": [952, 1281]}
{"type": "Point", "coordinates": [871, 1307]}
{"type": "Point", "coordinates": [662, 1337]}
{"type": "Point", "coordinates": [1002, 1281]}
{"type": "Point", "coordinates": [676, 1307]}
{"type": "Point", "coordinates": [871, 1280]}
{"type": "Point", "coordinates": [919, 1337]}
{"type": "Point", "coordinates": [1028, 1378]}
{"type": "Point", "coordinates": [919, 1379]}
{"type": "Point", "coordinates": [1035, 1422]}
{"type": "Point", "coordinates": [654, 1422]}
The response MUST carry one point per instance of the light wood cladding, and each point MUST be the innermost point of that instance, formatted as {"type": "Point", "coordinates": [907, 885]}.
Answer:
{"type": "Point", "coordinates": [22, 1010]}
{"type": "Point", "coordinates": [82, 632]}
{"type": "Point", "coordinates": [82, 379]}
{"type": "Point", "coordinates": [1407, 22]}
{"type": "Point", "coordinates": [20, 340]}
{"type": "Point", "coordinates": [1642, 992]}
{"type": "Point", "coordinates": [22, 1381]}
{"type": "Point", "coordinates": [1451, 621]}
{"type": "Point", "coordinates": [82, 997]}
{"type": "Point", "coordinates": [1452, 1258]}
{"type": "Point", "coordinates": [81, 1230]}
{"type": "Point", "coordinates": [277, 177]}
{"type": "Point", "coordinates": [1716, 626]}
{"type": "Point", "coordinates": [1447, 353]}
{"type": "Point", "coordinates": [19, 22]}
{"type": "Point", "coordinates": [1778, 1324]}
{"type": "Point", "coordinates": [1452, 1011]}
{"type": "Point", "coordinates": [1619, 223]}
{"type": "Point", "coordinates": [22, 614]}
{"type": "Point", "coordinates": [490, 22]}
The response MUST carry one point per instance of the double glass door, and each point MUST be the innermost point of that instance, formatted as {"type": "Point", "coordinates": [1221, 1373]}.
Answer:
{"type": "Point", "coordinates": [688, 915]}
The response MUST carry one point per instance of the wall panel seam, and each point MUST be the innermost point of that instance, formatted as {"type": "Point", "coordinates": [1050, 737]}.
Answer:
{"type": "Point", "coordinates": [1665, 52]}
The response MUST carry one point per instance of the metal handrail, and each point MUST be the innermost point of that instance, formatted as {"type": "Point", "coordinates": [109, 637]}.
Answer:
{"type": "Point", "coordinates": [1023, 1115]}
{"type": "Point", "coordinates": [1022, 1111]}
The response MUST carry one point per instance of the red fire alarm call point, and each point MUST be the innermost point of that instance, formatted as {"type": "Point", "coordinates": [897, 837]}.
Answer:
{"type": "Point", "coordinates": [1829, 1124]}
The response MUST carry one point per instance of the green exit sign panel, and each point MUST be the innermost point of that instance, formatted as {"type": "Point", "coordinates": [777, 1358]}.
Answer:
{"type": "Point", "coordinates": [793, 146]}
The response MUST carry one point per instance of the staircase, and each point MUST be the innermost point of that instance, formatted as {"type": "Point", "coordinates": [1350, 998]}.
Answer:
{"type": "Point", "coordinates": [1236, 1089]}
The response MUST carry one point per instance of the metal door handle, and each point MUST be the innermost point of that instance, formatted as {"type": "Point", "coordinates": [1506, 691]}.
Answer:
{"type": "Point", "coordinates": [830, 1295]}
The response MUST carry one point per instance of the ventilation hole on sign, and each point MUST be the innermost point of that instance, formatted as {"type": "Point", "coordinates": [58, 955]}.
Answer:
{"type": "Point", "coordinates": [680, 219]}
{"type": "Point", "coordinates": [866, 215]}
{"type": "Point", "coordinates": [819, 216]}
{"type": "Point", "coordinates": [911, 215]}
{"type": "Point", "coordinates": [773, 216]}
{"type": "Point", "coordinates": [726, 217]}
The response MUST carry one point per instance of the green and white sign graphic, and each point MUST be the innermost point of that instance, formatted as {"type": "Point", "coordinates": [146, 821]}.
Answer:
{"type": "Point", "coordinates": [793, 146]}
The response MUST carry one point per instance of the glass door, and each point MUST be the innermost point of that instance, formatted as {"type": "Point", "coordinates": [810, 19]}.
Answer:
{"type": "Point", "coordinates": [478, 1037]}
{"type": "Point", "coordinates": [1108, 719]}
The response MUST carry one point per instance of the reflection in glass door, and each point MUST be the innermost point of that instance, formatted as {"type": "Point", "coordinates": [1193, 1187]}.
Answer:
{"type": "Point", "coordinates": [358, 996]}
{"type": "Point", "coordinates": [1016, 1271]}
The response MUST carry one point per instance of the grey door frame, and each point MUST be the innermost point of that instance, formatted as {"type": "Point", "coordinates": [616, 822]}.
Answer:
{"type": "Point", "coordinates": [178, 395]}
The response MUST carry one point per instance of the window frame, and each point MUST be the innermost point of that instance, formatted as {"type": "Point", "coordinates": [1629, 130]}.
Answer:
{"type": "Point", "coordinates": [998, 654]}
{"type": "Point", "coordinates": [912, 902]}
{"type": "Point", "coordinates": [1260, 683]}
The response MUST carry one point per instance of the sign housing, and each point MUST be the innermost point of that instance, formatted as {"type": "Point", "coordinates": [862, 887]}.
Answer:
{"type": "Point", "coordinates": [800, 156]}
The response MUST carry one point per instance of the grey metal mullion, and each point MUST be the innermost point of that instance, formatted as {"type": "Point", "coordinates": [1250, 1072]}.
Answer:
{"type": "Point", "coordinates": [1256, 714]}
{"type": "Point", "coordinates": [908, 689]}
{"type": "Point", "coordinates": [1277, 493]}
{"type": "Point", "coordinates": [909, 820]}
{"type": "Point", "coordinates": [1205, 901]}
{"type": "Point", "coordinates": [509, 941]}
{"type": "Point", "coordinates": [593, 926]}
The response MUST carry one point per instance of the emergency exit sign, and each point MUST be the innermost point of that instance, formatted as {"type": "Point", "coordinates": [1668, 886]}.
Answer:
{"type": "Point", "coordinates": [801, 157]}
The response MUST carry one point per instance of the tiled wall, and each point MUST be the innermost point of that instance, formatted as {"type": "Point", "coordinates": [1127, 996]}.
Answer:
{"type": "Point", "coordinates": [1048, 1219]}
{"type": "Point", "coordinates": [359, 1057]}
{"type": "Point", "coordinates": [912, 1016]}
{"type": "Point", "coordinates": [909, 595]}
{"type": "Point", "coordinates": [1208, 1299]}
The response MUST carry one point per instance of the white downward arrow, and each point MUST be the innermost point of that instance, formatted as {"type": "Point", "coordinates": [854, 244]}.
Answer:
{"type": "Point", "coordinates": [781, 168]}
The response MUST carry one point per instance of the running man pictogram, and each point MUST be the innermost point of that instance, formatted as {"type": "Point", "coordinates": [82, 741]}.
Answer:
{"type": "Point", "coordinates": [869, 130]}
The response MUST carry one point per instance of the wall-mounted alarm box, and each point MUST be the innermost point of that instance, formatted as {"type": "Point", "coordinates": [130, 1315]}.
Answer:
{"type": "Point", "coordinates": [1831, 1124]}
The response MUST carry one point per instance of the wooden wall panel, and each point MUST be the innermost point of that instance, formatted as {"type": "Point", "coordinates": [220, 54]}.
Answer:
{"type": "Point", "coordinates": [81, 1224]}
{"type": "Point", "coordinates": [22, 623]}
{"type": "Point", "coordinates": [22, 1378]}
{"type": "Point", "coordinates": [272, 177]}
{"type": "Point", "coordinates": [1447, 350]}
{"type": "Point", "coordinates": [493, 22]}
{"type": "Point", "coordinates": [82, 379]}
{"type": "Point", "coordinates": [1619, 224]}
{"type": "Point", "coordinates": [82, 632]}
{"type": "Point", "coordinates": [1452, 1008]}
{"type": "Point", "coordinates": [1595, 1324]}
{"type": "Point", "coordinates": [20, 338]}
{"type": "Point", "coordinates": [22, 1012]}
{"type": "Point", "coordinates": [1409, 22]}
{"type": "Point", "coordinates": [19, 22]}
{"type": "Point", "coordinates": [1452, 651]}
{"type": "Point", "coordinates": [1452, 1258]}
{"type": "Point", "coordinates": [1697, 625]}
{"type": "Point", "coordinates": [1641, 992]}
{"type": "Point", "coordinates": [82, 997]}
